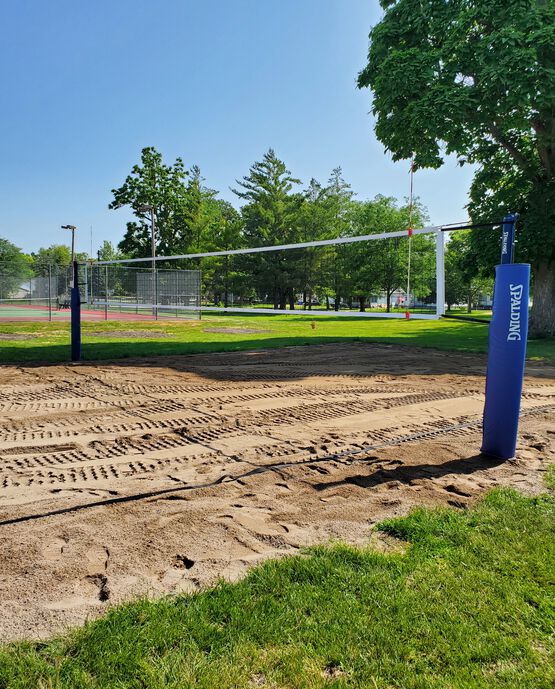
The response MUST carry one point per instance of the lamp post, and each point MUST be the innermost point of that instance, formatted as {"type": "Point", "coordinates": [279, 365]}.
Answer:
{"type": "Point", "coordinates": [72, 228]}
{"type": "Point", "coordinates": [148, 208]}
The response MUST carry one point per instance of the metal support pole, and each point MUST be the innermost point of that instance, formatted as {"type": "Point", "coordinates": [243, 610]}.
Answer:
{"type": "Point", "coordinates": [508, 238]}
{"type": "Point", "coordinates": [440, 274]}
{"type": "Point", "coordinates": [105, 293]}
{"type": "Point", "coordinates": [49, 292]}
{"type": "Point", "coordinates": [199, 295]}
{"type": "Point", "coordinates": [91, 293]}
{"type": "Point", "coordinates": [154, 278]}
{"type": "Point", "coordinates": [87, 283]}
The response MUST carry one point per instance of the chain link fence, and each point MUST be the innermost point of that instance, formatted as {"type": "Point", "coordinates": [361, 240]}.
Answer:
{"type": "Point", "coordinates": [141, 292]}
{"type": "Point", "coordinates": [107, 292]}
{"type": "Point", "coordinates": [27, 294]}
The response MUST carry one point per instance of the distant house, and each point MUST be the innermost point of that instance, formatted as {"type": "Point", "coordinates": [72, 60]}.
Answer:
{"type": "Point", "coordinates": [485, 301]}
{"type": "Point", "coordinates": [33, 288]}
{"type": "Point", "coordinates": [24, 290]}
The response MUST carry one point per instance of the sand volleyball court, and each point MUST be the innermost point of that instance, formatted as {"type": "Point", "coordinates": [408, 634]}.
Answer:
{"type": "Point", "coordinates": [158, 476]}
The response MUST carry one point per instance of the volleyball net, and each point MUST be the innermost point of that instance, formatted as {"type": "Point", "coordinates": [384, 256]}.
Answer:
{"type": "Point", "coordinates": [388, 274]}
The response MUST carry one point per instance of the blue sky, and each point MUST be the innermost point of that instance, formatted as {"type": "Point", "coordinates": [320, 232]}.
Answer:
{"type": "Point", "coordinates": [86, 85]}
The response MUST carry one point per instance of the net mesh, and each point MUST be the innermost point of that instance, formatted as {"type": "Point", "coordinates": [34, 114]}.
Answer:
{"type": "Point", "coordinates": [358, 278]}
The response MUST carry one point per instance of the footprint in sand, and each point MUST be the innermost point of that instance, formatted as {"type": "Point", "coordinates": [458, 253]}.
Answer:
{"type": "Point", "coordinates": [175, 580]}
{"type": "Point", "coordinates": [54, 549]}
{"type": "Point", "coordinates": [97, 559]}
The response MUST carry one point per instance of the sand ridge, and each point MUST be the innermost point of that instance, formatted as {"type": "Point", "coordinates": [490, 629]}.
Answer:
{"type": "Point", "coordinates": [244, 456]}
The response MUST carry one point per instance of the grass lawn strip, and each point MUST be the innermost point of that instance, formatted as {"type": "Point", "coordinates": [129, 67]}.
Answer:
{"type": "Point", "coordinates": [50, 341]}
{"type": "Point", "coordinates": [469, 604]}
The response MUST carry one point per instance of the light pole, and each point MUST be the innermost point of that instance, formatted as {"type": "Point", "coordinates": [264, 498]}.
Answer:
{"type": "Point", "coordinates": [148, 208]}
{"type": "Point", "coordinates": [72, 228]}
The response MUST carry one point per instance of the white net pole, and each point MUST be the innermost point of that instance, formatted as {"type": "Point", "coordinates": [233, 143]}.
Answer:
{"type": "Point", "coordinates": [440, 274]}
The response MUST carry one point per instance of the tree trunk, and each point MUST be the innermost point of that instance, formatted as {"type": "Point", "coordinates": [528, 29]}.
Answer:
{"type": "Point", "coordinates": [336, 305]}
{"type": "Point", "coordinates": [362, 303]}
{"type": "Point", "coordinates": [327, 303]}
{"type": "Point", "coordinates": [291, 301]}
{"type": "Point", "coordinates": [542, 315]}
{"type": "Point", "coordinates": [469, 303]}
{"type": "Point", "coordinates": [304, 300]}
{"type": "Point", "coordinates": [448, 307]}
{"type": "Point", "coordinates": [388, 303]}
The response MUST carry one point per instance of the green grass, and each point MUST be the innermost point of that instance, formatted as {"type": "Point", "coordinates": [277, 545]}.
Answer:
{"type": "Point", "coordinates": [469, 605]}
{"type": "Point", "coordinates": [550, 477]}
{"type": "Point", "coordinates": [482, 314]}
{"type": "Point", "coordinates": [50, 341]}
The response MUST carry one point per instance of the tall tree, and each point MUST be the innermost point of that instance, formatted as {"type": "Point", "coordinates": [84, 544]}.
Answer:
{"type": "Point", "coordinates": [201, 211]}
{"type": "Point", "coordinates": [477, 79]}
{"type": "Point", "coordinates": [270, 216]}
{"type": "Point", "coordinates": [164, 188]}
{"type": "Point", "coordinates": [455, 292]}
{"type": "Point", "coordinates": [222, 276]}
{"type": "Point", "coordinates": [56, 256]}
{"type": "Point", "coordinates": [107, 252]}
{"type": "Point", "coordinates": [338, 197]}
{"type": "Point", "coordinates": [320, 216]}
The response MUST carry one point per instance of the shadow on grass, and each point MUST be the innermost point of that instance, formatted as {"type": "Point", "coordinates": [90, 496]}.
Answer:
{"type": "Point", "coordinates": [145, 352]}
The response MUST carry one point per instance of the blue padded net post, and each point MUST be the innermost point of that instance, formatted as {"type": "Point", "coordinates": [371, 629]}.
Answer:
{"type": "Point", "coordinates": [75, 315]}
{"type": "Point", "coordinates": [508, 331]}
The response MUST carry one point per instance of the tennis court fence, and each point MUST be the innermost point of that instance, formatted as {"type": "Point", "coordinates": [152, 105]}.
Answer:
{"type": "Point", "coordinates": [107, 292]}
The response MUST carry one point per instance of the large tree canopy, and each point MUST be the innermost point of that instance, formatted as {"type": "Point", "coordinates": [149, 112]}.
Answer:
{"type": "Point", "coordinates": [175, 194]}
{"type": "Point", "coordinates": [477, 78]}
{"type": "Point", "coordinates": [56, 257]}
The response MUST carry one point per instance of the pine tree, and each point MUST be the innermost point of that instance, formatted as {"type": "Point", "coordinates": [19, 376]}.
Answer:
{"type": "Point", "coordinates": [270, 217]}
